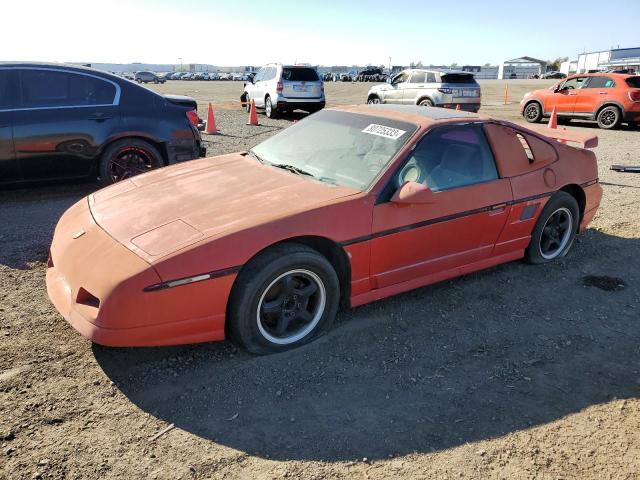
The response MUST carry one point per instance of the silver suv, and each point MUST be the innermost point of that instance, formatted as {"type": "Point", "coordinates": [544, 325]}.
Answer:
{"type": "Point", "coordinates": [448, 89]}
{"type": "Point", "coordinates": [283, 88]}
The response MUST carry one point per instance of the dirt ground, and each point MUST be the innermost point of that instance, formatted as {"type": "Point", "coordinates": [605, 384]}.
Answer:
{"type": "Point", "coordinates": [514, 372]}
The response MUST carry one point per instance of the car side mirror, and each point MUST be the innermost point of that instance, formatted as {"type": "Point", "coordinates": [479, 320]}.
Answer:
{"type": "Point", "coordinates": [413, 193]}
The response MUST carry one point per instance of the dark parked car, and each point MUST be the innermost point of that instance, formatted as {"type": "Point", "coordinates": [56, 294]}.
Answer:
{"type": "Point", "coordinates": [148, 77]}
{"type": "Point", "coordinates": [59, 121]}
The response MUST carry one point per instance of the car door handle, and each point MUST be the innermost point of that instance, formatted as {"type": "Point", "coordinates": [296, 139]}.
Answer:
{"type": "Point", "coordinates": [602, 93]}
{"type": "Point", "coordinates": [496, 209]}
{"type": "Point", "coordinates": [99, 117]}
{"type": "Point", "coordinates": [572, 94]}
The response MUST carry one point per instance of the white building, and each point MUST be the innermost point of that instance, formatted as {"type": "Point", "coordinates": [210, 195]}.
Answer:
{"type": "Point", "coordinates": [569, 67]}
{"type": "Point", "coordinates": [619, 58]}
{"type": "Point", "coordinates": [523, 67]}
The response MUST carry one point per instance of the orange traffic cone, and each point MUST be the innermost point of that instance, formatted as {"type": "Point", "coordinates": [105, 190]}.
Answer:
{"type": "Point", "coordinates": [458, 106]}
{"type": "Point", "coordinates": [553, 120]}
{"type": "Point", "coordinates": [506, 94]}
{"type": "Point", "coordinates": [253, 115]}
{"type": "Point", "coordinates": [211, 122]}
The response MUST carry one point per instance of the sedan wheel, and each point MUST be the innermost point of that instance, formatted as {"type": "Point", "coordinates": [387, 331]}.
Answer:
{"type": "Point", "coordinates": [556, 233]}
{"type": "Point", "coordinates": [291, 306]}
{"type": "Point", "coordinates": [128, 158]}
{"type": "Point", "coordinates": [555, 230]}
{"type": "Point", "coordinates": [374, 101]}
{"type": "Point", "coordinates": [283, 298]}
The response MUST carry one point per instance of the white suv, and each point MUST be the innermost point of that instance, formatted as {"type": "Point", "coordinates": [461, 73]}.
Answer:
{"type": "Point", "coordinates": [283, 88]}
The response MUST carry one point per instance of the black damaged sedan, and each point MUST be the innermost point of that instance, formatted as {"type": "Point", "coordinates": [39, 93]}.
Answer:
{"type": "Point", "coordinates": [63, 122]}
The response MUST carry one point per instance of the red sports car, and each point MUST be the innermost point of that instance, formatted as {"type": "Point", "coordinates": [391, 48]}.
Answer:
{"type": "Point", "coordinates": [349, 206]}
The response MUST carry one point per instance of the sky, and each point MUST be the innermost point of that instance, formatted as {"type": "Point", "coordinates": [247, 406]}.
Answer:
{"type": "Point", "coordinates": [319, 32]}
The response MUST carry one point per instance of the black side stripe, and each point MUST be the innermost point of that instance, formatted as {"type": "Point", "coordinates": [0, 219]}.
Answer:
{"type": "Point", "coordinates": [446, 218]}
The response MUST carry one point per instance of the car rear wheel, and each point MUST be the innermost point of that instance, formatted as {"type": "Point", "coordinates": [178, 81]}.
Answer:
{"type": "Point", "coordinates": [425, 102]}
{"type": "Point", "coordinates": [127, 158]}
{"type": "Point", "coordinates": [609, 118]}
{"type": "Point", "coordinates": [284, 298]}
{"type": "Point", "coordinates": [533, 112]}
{"type": "Point", "coordinates": [269, 109]}
{"type": "Point", "coordinates": [555, 231]}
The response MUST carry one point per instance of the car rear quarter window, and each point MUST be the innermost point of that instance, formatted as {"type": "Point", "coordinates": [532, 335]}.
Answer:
{"type": "Point", "coordinates": [431, 77]}
{"type": "Point", "coordinates": [47, 88]}
{"type": "Point", "coordinates": [633, 82]}
{"type": "Point", "coordinates": [298, 74]}
{"type": "Point", "coordinates": [601, 82]}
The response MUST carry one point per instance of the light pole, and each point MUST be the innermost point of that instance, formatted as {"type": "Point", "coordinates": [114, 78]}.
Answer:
{"type": "Point", "coordinates": [180, 58]}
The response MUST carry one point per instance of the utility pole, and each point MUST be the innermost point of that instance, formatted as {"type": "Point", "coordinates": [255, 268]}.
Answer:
{"type": "Point", "coordinates": [180, 58]}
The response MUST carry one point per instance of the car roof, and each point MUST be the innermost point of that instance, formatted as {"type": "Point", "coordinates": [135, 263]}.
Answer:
{"type": "Point", "coordinates": [608, 74]}
{"type": "Point", "coordinates": [423, 116]}
{"type": "Point", "coordinates": [442, 72]}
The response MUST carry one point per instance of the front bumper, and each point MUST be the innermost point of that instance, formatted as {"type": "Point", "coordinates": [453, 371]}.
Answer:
{"type": "Point", "coordinates": [97, 285]}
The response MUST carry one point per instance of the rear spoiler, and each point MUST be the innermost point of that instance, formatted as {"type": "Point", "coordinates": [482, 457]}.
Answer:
{"type": "Point", "coordinates": [585, 139]}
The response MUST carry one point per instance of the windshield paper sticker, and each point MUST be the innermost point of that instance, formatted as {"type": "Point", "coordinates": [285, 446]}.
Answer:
{"type": "Point", "coordinates": [382, 131]}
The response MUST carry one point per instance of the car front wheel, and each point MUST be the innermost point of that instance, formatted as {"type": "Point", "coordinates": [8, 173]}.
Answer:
{"type": "Point", "coordinates": [374, 101]}
{"type": "Point", "coordinates": [533, 112]}
{"type": "Point", "coordinates": [127, 158]}
{"type": "Point", "coordinates": [284, 298]}
{"type": "Point", "coordinates": [555, 230]}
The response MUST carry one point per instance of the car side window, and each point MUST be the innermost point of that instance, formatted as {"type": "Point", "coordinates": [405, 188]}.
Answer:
{"type": "Point", "coordinates": [47, 88]}
{"type": "Point", "coordinates": [431, 77]}
{"type": "Point", "coordinates": [450, 157]}
{"type": "Point", "coordinates": [417, 77]}
{"type": "Point", "coordinates": [600, 82]}
{"type": "Point", "coordinates": [258, 77]}
{"type": "Point", "coordinates": [574, 83]}
{"type": "Point", "coordinates": [400, 78]}
{"type": "Point", "coordinates": [271, 73]}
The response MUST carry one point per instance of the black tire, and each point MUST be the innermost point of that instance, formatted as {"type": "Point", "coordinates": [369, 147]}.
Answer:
{"type": "Point", "coordinates": [246, 103]}
{"type": "Point", "coordinates": [550, 240]}
{"type": "Point", "coordinates": [374, 100]}
{"type": "Point", "coordinates": [269, 110]}
{"type": "Point", "coordinates": [609, 117]}
{"type": "Point", "coordinates": [532, 112]}
{"type": "Point", "coordinates": [139, 157]}
{"type": "Point", "coordinates": [139, 81]}
{"type": "Point", "coordinates": [425, 102]}
{"type": "Point", "coordinates": [249, 323]}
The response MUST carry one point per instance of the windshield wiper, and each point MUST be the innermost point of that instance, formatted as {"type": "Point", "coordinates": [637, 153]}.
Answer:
{"type": "Point", "coordinates": [292, 168]}
{"type": "Point", "coordinates": [257, 157]}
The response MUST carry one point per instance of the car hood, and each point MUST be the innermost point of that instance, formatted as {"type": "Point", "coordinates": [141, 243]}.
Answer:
{"type": "Point", "coordinates": [157, 213]}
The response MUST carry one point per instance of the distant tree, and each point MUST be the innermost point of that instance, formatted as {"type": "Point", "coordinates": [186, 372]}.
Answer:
{"type": "Point", "coordinates": [454, 65]}
{"type": "Point", "coordinates": [487, 64]}
{"type": "Point", "coordinates": [419, 64]}
{"type": "Point", "coordinates": [412, 65]}
{"type": "Point", "coordinates": [555, 65]}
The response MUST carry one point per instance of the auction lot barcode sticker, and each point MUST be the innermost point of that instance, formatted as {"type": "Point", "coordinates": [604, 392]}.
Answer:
{"type": "Point", "coordinates": [382, 131]}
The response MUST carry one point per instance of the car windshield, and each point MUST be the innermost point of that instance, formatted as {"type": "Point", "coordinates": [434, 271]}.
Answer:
{"type": "Point", "coordinates": [342, 148]}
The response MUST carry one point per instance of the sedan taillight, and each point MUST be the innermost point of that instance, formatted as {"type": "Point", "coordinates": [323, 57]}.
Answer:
{"type": "Point", "coordinates": [634, 95]}
{"type": "Point", "coordinates": [192, 115]}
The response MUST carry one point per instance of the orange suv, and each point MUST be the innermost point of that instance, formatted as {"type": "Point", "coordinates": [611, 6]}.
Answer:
{"type": "Point", "coordinates": [608, 98]}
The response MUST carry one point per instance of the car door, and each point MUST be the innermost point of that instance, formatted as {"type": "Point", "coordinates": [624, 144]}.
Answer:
{"type": "Point", "coordinates": [8, 165]}
{"type": "Point", "coordinates": [565, 96]}
{"type": "Point", "coordinates": [595, 91]}
{"type": "Point", "coordinates": [63, 119]}
{"type": "Point", "coordinates": [462, 224]}
{"type": "Point", "coordinates": [395, 90]}
{"type": "Point", "coordinates": [414, 87]}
